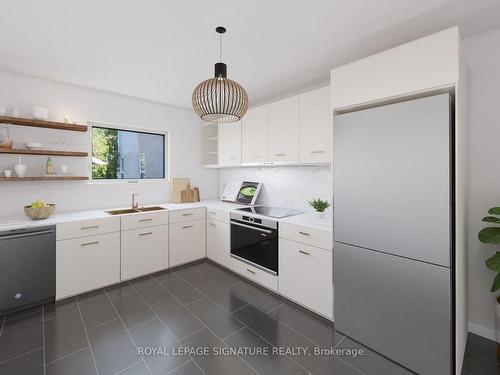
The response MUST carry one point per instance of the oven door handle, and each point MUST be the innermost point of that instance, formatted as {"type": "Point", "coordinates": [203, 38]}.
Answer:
{"type": "Point", "coordinates": [251, 227]}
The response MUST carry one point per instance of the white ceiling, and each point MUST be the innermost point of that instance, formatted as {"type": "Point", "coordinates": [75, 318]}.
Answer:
{"type": "Point", "coordinates": [160, 49]}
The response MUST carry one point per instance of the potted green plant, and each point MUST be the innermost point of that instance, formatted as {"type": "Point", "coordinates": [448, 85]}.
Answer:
{"type": "Point", "coordinates": [320, 206]}
{"type": "Point", "coordinates": [491, 235]}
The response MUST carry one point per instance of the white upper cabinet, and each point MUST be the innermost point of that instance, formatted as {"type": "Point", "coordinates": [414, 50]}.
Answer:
{"type": "Point", "coordinates": [315, 127]}
{"type": "Point", "coordinates": [293, 131]}
{"type": "Point", "coordinates": [254, 136]}
{"type": "Point", "coordinates": [230, 144]}
{"type": "Point", "coordinates": [428, 63]}
{"type": "Point", "coordinates": [283, 131]}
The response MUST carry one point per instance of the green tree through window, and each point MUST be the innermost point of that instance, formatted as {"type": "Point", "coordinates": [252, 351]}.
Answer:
{"type": "Point", "coordinates": [105, 153]}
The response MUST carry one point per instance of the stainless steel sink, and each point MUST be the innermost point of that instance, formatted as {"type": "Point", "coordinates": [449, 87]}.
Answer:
{"type": "Point", "coordinates": [134, 210]}
{"type": "Point", "coordinates": [154, 208]}
{"type": "Point", "coordinates": [122, 212]}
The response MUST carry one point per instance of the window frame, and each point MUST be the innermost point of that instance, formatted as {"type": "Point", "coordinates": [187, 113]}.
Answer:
{"type": "Point", "coordinates": [107, 125]}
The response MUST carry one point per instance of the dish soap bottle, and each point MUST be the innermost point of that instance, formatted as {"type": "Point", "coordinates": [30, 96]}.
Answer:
{"type": "Point", "coordinates": [49, 169]}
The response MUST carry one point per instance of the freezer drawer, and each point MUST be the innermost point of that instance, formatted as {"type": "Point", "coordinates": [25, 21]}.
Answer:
{"type": "Point", "coordinates": [396, 306]}
{"type": "Point", "coordinates": [27, 268]}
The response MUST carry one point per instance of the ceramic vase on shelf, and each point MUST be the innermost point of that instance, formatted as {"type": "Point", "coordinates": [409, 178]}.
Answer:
{"type": "Point", "coordinates": [5, 139]}
{"type": "Point", "coordinates": [20, 169]}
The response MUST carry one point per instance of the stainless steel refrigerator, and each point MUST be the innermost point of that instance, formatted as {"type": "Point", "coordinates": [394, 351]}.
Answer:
{"type": "Point", "coordinates": [394, 231]}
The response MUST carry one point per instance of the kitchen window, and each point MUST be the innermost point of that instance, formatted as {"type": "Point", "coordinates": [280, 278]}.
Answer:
{"type": "Point", "coordinates": [124, 154]}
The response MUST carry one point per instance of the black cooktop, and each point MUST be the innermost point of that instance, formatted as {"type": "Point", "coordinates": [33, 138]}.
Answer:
{"type": "Point", "coordinates": [275, 212]}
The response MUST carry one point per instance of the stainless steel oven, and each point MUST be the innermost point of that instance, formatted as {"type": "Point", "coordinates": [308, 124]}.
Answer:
{"type": "Point", "coordinates": [255, 241]}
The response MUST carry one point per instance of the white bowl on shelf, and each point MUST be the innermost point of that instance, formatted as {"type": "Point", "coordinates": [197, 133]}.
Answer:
{"type": "Point", "coordinates": [34, 145]}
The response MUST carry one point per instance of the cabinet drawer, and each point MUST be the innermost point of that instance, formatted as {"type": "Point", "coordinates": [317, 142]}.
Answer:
{"type": "Point", "coordinates": [255, 274]}
{"type": "Point", "coordinates": [150, 219]}
{"type": "Point", "coordinates": [218, 242]}
{"type": "Point", "coordinates": [219, 215]}
{"type": "Point", "coordinates": [306, 276]}
{"type": "Point", "coordinates": [187, 242]}
{"type": "Point", "coordinates": [179, 216]}
{"type": "Point", "coordinates": [144, 251]}
{"type": "Point", "coordinates": [308, 236]}
{"type": "Point", "coordinates": [87, 263]}
{"type": "Point", "coordinates": [74, 229]}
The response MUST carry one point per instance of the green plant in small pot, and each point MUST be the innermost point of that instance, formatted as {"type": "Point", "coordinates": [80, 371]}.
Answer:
{"type": "Point", "coordinates": [491, 235]}
{"type": "Point", "coordinates": [320, 206]}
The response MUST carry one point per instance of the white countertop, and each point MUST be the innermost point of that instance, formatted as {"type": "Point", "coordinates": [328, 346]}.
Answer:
{"type": "Point", "coordinates": [11, 223]}
{"type": "Point", "coordinates": [311, 220]}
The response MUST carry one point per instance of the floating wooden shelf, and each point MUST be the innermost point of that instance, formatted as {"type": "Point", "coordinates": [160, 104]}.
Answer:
{"type": "Point", "coordinates": [42, 124]}
{"type": "Point", "coordinates": [43, 178]}
{"type": "Point", "coordinates": [25, 151]}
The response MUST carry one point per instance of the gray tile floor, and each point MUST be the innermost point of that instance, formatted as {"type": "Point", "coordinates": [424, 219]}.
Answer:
{"type": "Point", "coordinates": [198, 306]}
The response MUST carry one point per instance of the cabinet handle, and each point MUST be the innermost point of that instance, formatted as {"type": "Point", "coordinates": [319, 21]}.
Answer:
{"type": "Point", "coordinates": [212, 224]}
{"type": "Point", "coordinates": [188, 214]}
{"type": "Point", "coordinates": [187, 226]}
{"type": "Point", "coordinates": [212, 212]}
{"type": "Point", "coordinates": [317, 152]}
{"type": "Point", "coordinates": [304, 252]}
{"type": "Point", "coordinates": [251, 271]}
{"type": "Point", "coordinates": [90, 227]}
{"type": "Point", "coordinates": [281, 154]}
{"type": "Point", "coordinates": [145, 234]}
{"type": "Point", "coordinates": [304, 233]}
{"type": "Point", "coordinates": [90, 243]}
{"type": "Point", "coordinates": [143, 220]}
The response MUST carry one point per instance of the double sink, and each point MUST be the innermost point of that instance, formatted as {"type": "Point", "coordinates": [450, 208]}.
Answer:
{"type": "Point", "coordinates": [134, 210]}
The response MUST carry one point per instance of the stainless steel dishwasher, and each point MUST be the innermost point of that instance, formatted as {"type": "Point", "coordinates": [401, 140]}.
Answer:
{"type": "Point", "coordinates": [27, 268]}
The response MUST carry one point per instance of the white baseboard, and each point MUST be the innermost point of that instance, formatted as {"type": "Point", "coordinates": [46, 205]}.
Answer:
{"type": "Point", "coordinates": [482, 331]}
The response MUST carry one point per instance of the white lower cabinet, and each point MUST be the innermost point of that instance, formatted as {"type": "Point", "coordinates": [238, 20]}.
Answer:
{"type": "Point", "coordinates": [187, 241]}
{"type": "Point", "coordinates": [305, 276]}
{"type": "Point", "coordinates": [218, 242]}
{"type": "Point", "coordinates": [144, 251]}
{"type": "Point", "coordinates": [87, 263]}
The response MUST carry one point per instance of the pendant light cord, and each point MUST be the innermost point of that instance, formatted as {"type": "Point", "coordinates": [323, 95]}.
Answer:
{"type": "Point", "coordinates": [220, 47]}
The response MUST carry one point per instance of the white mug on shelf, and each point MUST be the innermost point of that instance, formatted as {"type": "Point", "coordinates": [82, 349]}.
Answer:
{"type": "Point", "coordinates": [7, 173]}
{"type": "Point", "coordinates": [39, 113]}
{"type": "Point", "coordinates": [15, 112]}
{"type": "Point", "coordinates": [64, 169]}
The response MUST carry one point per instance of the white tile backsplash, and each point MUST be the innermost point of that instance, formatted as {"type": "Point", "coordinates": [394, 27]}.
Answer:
{"type": "Point", "coordinates": [289, 187]}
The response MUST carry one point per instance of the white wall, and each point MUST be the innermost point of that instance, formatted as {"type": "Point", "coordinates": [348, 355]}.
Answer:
{"type": "Point", "coordinates": [289, 187]}
{"type": "Point", "coordinates": [82, 105]}
{"type": "Point", "coordinates": [483, 58]}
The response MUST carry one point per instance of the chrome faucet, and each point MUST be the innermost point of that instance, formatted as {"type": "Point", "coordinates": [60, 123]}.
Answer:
{"type": "Point", "coordinates": [135, 202]}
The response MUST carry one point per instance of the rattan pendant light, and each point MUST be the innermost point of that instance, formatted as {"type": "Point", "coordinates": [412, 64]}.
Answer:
{"type": "Point", "coordinates": [220, 99]}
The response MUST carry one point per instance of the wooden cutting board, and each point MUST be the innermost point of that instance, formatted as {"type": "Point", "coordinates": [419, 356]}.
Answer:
{"type": "Point", "coordinates": [176, 188]}
{"type": "Point", "coordinates": [190, 195]}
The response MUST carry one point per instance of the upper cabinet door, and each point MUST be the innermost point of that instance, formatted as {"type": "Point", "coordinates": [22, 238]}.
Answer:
{"type": "Point", "coordinates": [230, 144]}
{"type": "Point", "coordinates": [316, 127]}
{"type": "Point", "coordinates": [254, 136]}
{"type": "Point", "coordinates": [423, 64]}
{"type": "Point", "coordinates": [283, 130]}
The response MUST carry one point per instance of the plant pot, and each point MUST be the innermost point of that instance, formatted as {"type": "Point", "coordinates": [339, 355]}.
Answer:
{"type": "Point", "coordinates": [320, 215]}
{"type": "Point", "coordinates": [497, 325]}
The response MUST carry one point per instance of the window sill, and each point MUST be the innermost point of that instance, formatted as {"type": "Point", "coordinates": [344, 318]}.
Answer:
{"type": "Point", "coordinates": [128, 181]}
